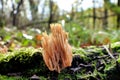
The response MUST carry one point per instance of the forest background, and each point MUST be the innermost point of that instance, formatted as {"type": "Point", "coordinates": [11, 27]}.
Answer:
{"type": "Point", "coordinates": [88, 22]}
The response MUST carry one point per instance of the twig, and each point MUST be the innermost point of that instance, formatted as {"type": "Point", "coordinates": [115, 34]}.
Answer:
{"type": "Point", "coordinates": [109, 52]}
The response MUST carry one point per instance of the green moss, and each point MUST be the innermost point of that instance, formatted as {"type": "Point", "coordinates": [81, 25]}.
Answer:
{"type": "Point", "coordinates": [23, 60]}
{"type": "Point", "coordinates": [79, 51]}
{"type": "Point", "coordinates": [29, 61]}
{"type": "Point", "coordinates": [3, 77]}
{"type": "Point", "coordinates": [116, 46]}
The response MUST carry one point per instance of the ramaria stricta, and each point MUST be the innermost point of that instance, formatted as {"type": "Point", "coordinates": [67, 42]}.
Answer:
{"type": "Point", "coordinates": [57, 53]}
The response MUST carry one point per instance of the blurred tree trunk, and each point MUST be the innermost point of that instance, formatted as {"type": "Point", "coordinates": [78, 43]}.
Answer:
{"type": "Point", "coordinates": [2, 4]}
{"type": "Point", "coordinates": [118, 16]}
{"type": "Point", "coordinates": [72, 13]}
{"type": "Point", "coordinates": [51, 13]}
{"type": "Point", "coordinates": [43, 10]}
{"type": "Point", "coordinates": [34, 8]}
{"type": "Point", "coordinates": [2, 16]}
{"type": "Point", "coordinates": [94, 14]}
{"type": "Point", "coordinates": [15, 12]}
{"type": "Point", "coordinates": [105, 21]}
{"type": "Point", "coordinates": [13, 15]}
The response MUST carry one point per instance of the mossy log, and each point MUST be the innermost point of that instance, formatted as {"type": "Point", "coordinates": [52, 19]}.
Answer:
{"type": "Point", "coordinates": [91, 63]}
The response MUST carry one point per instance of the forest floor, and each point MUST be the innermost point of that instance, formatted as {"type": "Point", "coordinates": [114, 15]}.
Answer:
{"type": "Point", "coordinates": [90, 63]}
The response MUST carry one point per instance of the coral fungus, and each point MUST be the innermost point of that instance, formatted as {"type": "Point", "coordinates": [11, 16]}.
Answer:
{"type": "Point", "coordinates": [57, 51]}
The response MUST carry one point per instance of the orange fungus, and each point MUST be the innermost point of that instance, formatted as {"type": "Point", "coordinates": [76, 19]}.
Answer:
{"type": "Point", "coordinates": [57, 53]}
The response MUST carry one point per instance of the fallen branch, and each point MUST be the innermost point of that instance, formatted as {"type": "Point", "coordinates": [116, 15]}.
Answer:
{"type": "Point", "coordinates": [92, 62]}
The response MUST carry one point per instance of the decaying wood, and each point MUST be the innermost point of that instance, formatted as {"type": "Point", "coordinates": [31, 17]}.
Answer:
{"type": "Point", "coordinates": [57, 51]}
{"type": "Point", "coordinates": [87, 64]}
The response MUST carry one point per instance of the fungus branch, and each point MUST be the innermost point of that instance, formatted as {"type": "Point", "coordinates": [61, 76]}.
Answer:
{"type": "Point", "coordinates": [57, 51]}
